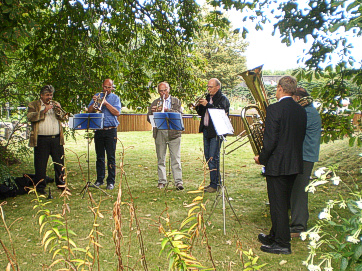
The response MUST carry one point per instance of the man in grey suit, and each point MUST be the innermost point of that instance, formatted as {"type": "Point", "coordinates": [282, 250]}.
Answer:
{"type": "Point", "coordinates": [282, 156]}
{"type": "Point", "coordinates": [164, 138]}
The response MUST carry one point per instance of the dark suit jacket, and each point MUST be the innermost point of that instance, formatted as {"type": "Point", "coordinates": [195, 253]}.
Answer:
{"type": "Point", "coordinates": [285, 126]}
{"type": "Point", "coordinates": [220, 101]}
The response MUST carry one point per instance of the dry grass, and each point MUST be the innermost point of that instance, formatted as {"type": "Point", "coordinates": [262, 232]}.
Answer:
{"type": "Point", "coordinates": [245, 185]}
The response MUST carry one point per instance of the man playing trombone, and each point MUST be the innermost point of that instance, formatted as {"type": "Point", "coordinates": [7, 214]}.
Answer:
{"type": "Point", "coordinates": [105, 139]}
{"type": "Point", "coordinates": [212, 143]}
{"type": "Point", "coordinates": [46, 137]}
{"type": "Point", "coordinates": [164, 138]}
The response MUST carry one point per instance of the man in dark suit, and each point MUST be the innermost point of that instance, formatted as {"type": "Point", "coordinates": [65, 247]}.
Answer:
{"type": "Point", "coordinates": [282, 156]}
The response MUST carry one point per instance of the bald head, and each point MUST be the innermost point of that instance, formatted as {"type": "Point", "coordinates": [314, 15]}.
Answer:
{"type": "Point", "coordinates": [108, 86]}
{"type": "Point", "coordinates": [213, 86]}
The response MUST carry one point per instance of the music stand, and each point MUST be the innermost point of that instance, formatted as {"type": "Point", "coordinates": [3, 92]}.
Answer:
{"type": "Point", "coordinates": [222, 127]}
{"type": "Point", "coordinates": [86, 121]}
{"type": "Point", "coordinates": [168, 121]}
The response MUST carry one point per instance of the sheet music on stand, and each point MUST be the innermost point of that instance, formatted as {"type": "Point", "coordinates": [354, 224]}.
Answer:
{"type": "Point", "coordinates": [167, 121]}
{"type": "Point", "coordinates": [222, 127]}
{"type": "Point", "coordinates": [221, 122]}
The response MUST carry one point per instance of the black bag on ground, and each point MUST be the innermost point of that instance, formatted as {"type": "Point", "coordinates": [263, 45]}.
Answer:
{"type": "Point", "coordinates": [26, 181]}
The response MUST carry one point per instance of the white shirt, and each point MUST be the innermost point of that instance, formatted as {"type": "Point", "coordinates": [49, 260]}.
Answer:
{"type": "Point", "coordinates": [50, 125]}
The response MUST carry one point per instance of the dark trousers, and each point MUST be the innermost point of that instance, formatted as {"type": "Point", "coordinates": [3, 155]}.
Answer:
{"type": "Point", "coordinates": [48, 145]}
{"type": "Point", "coordinates": [212, 149]}
{"type": "Point", "coordinates": [299, 199]}
{"type": "Point", "coordinates": [279, 192]}
{"type": "Point", "coordinates": [105, 142]}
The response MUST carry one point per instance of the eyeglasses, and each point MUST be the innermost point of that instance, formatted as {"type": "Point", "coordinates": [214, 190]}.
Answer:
{"type": "Point", "coordinates": [163, 90]}
{"type": "Point", "coordinates": [106, 87]}
{"type": "Point", "coordinates": [211, 86]}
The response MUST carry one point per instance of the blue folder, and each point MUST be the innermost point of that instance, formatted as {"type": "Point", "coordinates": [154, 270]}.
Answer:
{"type": "Point", "coordinates": [168, 121]}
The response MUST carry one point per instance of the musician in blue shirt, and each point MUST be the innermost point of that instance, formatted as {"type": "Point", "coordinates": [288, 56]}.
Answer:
{"type": "Point", "coordinates": [105, 139]}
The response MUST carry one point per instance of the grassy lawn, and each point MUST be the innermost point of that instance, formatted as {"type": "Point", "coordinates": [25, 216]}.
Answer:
{"type": "Point", "coordinates": [246, 189]}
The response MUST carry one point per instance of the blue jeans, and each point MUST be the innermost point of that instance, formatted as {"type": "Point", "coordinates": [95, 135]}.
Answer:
{"type": "Point", "coordinates": [105, 142]}
{"type": "Point", "coordinates": [212, 154]}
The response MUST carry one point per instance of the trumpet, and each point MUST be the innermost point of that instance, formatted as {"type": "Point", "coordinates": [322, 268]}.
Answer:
{"type": "Point", "coordinates": [98, 103]}
{"type": "Point", "coordinates": [60, 112]}
{"type": "Point", "coordinates": [160, 106]}
{"type": "Point", "coordinates": [203, 96]}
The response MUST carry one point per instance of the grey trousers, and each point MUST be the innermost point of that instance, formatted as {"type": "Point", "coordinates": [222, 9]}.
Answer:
{"type": "Point", "coordinates": [299, 199]}
{"type": "Point", "coordinates": [174, 145]}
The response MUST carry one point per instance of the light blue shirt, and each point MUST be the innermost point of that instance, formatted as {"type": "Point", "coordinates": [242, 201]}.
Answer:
{"type": "Point", "coordinates": [110, 120]}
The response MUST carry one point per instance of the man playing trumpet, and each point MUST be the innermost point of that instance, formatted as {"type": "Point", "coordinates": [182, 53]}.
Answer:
{"type": "Point", "coordinates": [212, 143]}
{"type": "Point", "coordinates": [105, 139]}
{"type": "Point", "coordinates": [164, 138]}
{"type": "Point", "coordinates": [46, 137]}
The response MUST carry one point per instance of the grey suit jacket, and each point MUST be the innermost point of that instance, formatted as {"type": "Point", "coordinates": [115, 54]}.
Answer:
{"type": "Point", "coordinates": [175, 107]}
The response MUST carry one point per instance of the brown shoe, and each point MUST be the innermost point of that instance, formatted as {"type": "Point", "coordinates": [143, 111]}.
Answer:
{"type": "Point", "coordinates": [210, 189]}
{"type": "Point", "coordinates": [160, 186]}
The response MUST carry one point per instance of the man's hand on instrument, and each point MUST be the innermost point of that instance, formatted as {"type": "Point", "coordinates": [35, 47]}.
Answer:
{"type": "Point", "coordinates": [48, 107]}
{"type": "Point", "coordinates": [105, 103]}
{"type": "Point", "coordinates": [256, 159]}
{"type": "Point", "coordinates": [203, 102]}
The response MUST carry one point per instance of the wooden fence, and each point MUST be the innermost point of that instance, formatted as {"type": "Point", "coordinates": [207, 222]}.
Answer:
{"type": "Point", "coordinates": [138, 122]}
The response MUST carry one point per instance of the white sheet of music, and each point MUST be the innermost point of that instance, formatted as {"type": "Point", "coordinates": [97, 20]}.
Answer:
{"type": "Point", "coordinates": [152, 121]}
{"type": "Point", "coordinates": [221, 122]}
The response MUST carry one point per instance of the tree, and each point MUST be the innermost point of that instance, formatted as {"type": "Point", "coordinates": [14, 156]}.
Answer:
{"type": "Point", "coordinates": [222, 49]}
{"type": "Point", "coordinates": [74, 45]}
{"type": "Point", "coordinates": [323, 21]}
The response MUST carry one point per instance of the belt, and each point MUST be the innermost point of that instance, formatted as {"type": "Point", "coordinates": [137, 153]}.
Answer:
{"type": "Point", "coordinates": [108, 128]}
{"type": "Point", "coordinates": [48, 136]}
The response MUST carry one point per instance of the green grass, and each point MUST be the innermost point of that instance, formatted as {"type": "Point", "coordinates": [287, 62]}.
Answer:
{"type": "Point", "coordinates": [245, 186]}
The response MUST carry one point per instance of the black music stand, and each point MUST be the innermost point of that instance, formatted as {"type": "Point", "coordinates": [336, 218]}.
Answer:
{"type": "Point", "coordinates": [86, 121]}
{"type": "Point", "coordinates": [222, 127]}
{"type": "Point", "coordinates": [168, 121]}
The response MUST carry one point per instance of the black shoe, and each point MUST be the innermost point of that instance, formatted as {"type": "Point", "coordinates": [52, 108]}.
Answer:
{"type": "Point", "coordinates": [179, 187]}
{"type": "Point", "coordinates": [210, 189]}
{"type": "Point", "coordinates": [110, 186]}
{"type": "Point", "coordinates": [98, 184]}
{"type": "Point", "coordinates": [276, 249]}
{"type": "Point", "coordinates": [265, 239]}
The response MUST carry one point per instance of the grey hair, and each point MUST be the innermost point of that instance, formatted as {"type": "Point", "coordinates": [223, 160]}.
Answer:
{"type": "Point", "coordinates": [46, 89]}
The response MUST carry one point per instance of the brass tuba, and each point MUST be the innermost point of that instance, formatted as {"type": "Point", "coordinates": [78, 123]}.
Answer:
{"type": "Point", "coordinates": [253, 116]}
